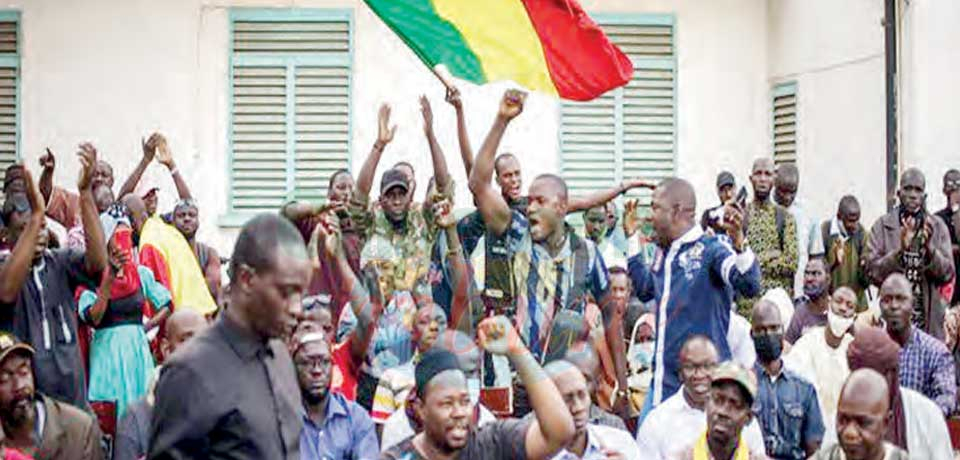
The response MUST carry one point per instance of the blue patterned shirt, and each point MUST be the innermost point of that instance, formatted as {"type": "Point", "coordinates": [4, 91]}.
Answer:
{"type": "Point", "coordinates": [927, 367]}
{"type": "Point", "coordinates": [536, 274]}
{"type": "Point", "coordinates": [788, 412]}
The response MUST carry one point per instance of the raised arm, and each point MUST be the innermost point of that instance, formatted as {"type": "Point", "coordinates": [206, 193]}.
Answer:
{"type": "Point", "coordinates": [553, 428]}
{"type": "Point", "coordinates": [466, 151]}
{"type": "Point", "coordinates": [366, 309]}
{"type": "Point", "coordinates": [13, 273]}
{"type": "Point", "coordinates": [95, 258]}
{"type": "Point", "coordinates": [384, 136]}
{"type": "Point", "coordinates": [460, 317]}
{"type": "Point", "coordinates": [165, 157]}
{"type": "Point", "coordinates": [440, 172]}
{"type": "Point", "coordinates": [149, 148]}
{"type": "Point", "coordinates": [603, 196]}
{"type": "Point", "coordinates": [49, 163]}
{"type": "Point", "coordinates": [100, 305]}
{"type": "Point", "coordinates": [492, 206]}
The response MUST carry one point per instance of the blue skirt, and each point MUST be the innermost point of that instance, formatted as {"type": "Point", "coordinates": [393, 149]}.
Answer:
{"type": "Point", "coordinates": [120, 365]}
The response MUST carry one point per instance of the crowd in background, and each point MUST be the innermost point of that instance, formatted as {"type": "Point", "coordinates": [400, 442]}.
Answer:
{"type": "Point", "coordinates": [384, 326]}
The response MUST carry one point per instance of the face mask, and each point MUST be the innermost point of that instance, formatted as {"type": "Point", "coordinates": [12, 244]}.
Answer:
{"type": "Point", "coordinates": [814, 292]}
{"type": "Point", "coordinates": [473, 388]}
{"type": "Point", "coordinates": [768, 347]}
{"type": "Point", "coordinates": [640, 356]}
{"type": "Point", "coordinates": [838, 324]}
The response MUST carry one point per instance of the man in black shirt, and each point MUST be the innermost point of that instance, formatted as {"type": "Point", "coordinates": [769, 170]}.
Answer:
{"type": "Point", "coordinates": [712, 219]}
{"type": "Point", "coordinates": [951, 189]}
{"type": "Point", "coordinates": [232, 391]}
{"type": "Point", "coordinates": [443, 403]}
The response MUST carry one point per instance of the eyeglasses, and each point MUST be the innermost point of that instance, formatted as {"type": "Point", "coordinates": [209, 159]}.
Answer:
{"type": "Point", "coordinates": [706, 368]}
{"type": "Point", "coordinates": [322, 363]}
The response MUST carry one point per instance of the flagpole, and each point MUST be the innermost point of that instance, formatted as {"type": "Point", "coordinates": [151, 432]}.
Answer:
{"type": "Point", "coordinates": [440, 71]}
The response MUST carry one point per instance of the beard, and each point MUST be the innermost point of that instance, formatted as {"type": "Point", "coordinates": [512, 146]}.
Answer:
{"type": "Point", "coordinates": [19, 411]}
{"type": "Point", "coordinates": [314, 397]}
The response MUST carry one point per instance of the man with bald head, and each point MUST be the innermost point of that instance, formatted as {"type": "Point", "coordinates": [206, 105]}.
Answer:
{"type": "Point", "coordinates": [675, 424]}
{"type": "Point", "coordinates": [133, 430]}
{"type": "Point", "coordinates": [772, 233]}
{"type": "Point", "coordinates": [787, 184]}
{"type": "Point", "coordinates": [180, 327]}
{"type": "Point", "coordinates": [697, 276]}
{"type": "Point", "coordinates": [786, 405]}
{"type": "Point", "coordinates": [862, 417]}
{"type": "Point", "coordinates": [915, 423]}
{"type": "Point", "coordinates": [925, 363]}
{"type": "Point", "coordinates": [909, 240]}
{"type": "Point", "coordinates": [590, 441]}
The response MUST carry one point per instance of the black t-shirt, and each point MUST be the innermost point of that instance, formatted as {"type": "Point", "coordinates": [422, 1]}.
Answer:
{"type": "Point", "coordinates": [46, 318]}
{"type": "Point", "coordinates": [503, 439]}
{"type": "Point", "coordinates": [947, 215]}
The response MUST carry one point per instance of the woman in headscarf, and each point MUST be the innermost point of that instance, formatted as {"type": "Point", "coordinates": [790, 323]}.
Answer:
{"type": "Point", "coordinates": [120, 360]}
{"type": "Point", "coordinates": [916, 424]}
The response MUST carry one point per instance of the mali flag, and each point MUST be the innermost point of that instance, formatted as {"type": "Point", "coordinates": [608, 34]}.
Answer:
{"type": "Point", "coordinates": [550, 46]}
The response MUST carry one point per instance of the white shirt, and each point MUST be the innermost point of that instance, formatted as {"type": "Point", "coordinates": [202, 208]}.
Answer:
{"type": "Point", "coordinates": [826, 368]}
{"type": "Point", "coordinates": [398, 427]}
{"type": "Point", "coordinates": [809, 241]}
{"type": "Point", "coordinates": [741, 345]}
{"type": "Point", "coordinates": [600, 438]}
{"type": "Point", "coordinates": [673, 426]}
{"type": "Point", "coordinates": [927, 435]}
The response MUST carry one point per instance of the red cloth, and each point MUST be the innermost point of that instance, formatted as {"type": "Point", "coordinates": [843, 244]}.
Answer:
{"type": "Point", "coordinates": [127, 282]}
{"type": "Point", "coordinates": [345, 370]}
{"type": "Point", "coordinates": [13, 454]}
{"type": "Point", "coordinates": [151, 258]}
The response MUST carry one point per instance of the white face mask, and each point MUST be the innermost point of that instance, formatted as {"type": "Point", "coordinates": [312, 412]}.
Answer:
{"type": "Point", "coordinates": [640, 356]}
{"type": "Point", "coordinates": [838, 324]}
{"type": "Point", "coordinates": [473, 388]}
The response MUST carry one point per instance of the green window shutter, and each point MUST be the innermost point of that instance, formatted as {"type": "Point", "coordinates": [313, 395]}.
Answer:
{"type": "Point", "coordinates": [290, 125]}
{"type": "Point", "coordinates": [9, 88]}
{"type": "Point", "coordinates": [629, 132]}
{"type": "Point", "coordinates": [784, 114]}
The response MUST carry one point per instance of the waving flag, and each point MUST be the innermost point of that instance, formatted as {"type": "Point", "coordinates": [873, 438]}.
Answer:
{"type": "Point", "coordinates": [550, 46]}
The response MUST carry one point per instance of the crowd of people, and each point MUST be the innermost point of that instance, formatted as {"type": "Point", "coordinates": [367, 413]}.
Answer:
{"type": "Point", "coordinates": [385, 327]}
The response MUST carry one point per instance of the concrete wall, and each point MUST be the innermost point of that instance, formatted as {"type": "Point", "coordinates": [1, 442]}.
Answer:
{"type": "Point", "coordinates": [930, 70]}
{"type": "Point", "coordinates": [834, 51]}
{"type": "Point", "coordinates": [111, 71]}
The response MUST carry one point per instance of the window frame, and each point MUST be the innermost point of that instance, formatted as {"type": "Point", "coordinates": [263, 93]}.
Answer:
{"type": "Point", "coordinates": [8, 61]}
{"type": "Point", "coordinates": [629, 19]}
{"type": "Point", "coordinates": [236, 218]}
{"type": "Point", "coordinates": [781, 89]}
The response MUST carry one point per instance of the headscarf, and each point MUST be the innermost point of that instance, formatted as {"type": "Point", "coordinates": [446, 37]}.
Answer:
{"type": "Point", "coordinates": [117, 229]}
{"type": "Point", "coordinates": [872, 348]}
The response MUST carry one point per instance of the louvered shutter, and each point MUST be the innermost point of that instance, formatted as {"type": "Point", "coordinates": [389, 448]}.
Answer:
{"type": "Point", "coordinates": [291, 105]}
{"type": "Point", "coordinates": [629, 132]}
{"type": "Point", "coordinates": [9, 97]}
{"type": "Point", "coordinates": [784, 113]}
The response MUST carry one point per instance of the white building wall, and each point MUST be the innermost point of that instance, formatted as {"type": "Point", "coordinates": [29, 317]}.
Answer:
{"type": "Point", "coordinates": [111, 71]}
{"type": "Point", "coordinates": [834, 51]}
{"type": "Point", "coordinates": [930, 70]}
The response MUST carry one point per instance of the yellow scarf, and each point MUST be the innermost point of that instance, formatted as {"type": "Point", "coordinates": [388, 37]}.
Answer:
{"type": "Point", "coordinates": [187, 285]}
{"type": "Point", "coordinates": [702, 452]}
